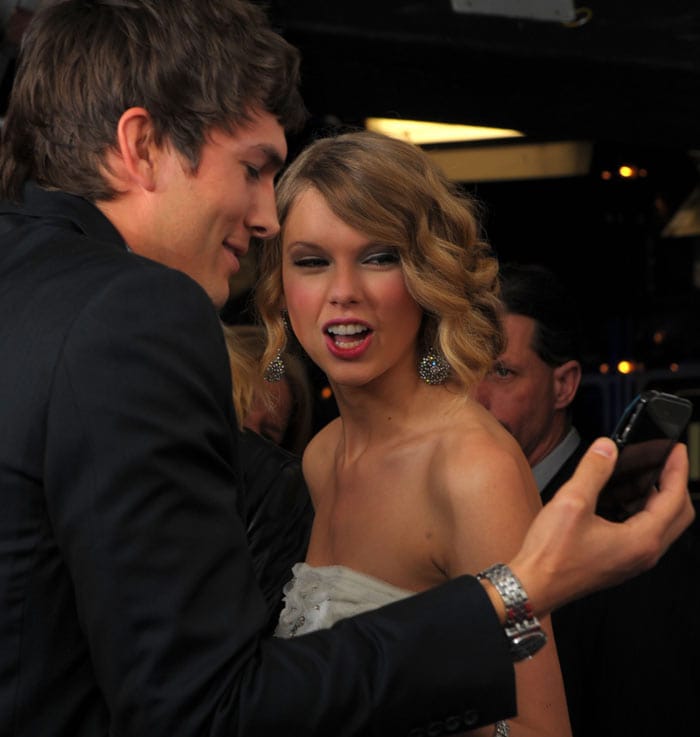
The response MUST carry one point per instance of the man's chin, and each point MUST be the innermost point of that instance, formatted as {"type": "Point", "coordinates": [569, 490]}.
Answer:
{"type": "Point", "coordinates": [219, 302]}
{"type": "Point", "coordinates": [218, 293]}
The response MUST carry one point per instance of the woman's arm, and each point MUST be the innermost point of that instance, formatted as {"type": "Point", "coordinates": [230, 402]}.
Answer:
{"type": "Point", "coordinates": [490, 501]}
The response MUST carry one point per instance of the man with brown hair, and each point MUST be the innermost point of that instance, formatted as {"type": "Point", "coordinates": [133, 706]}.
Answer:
{"type": "Point", "coordinates": [137, 163]}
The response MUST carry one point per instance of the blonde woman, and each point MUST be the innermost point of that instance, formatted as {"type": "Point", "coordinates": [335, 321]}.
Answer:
{"type": "Point", "coordinates": [392, 293]}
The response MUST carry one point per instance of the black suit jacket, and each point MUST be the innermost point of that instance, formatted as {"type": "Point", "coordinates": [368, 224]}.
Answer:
{"type": "Point", "coordinates": [278, 515]}
{"type": "Point", "coordinates": [629, 655]}
{"type": "Point", "coordinates": [129, 602]}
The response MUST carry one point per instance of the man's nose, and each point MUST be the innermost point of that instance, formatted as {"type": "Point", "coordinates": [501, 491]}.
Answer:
{"type": "Point", "coordinates": [262, 219]}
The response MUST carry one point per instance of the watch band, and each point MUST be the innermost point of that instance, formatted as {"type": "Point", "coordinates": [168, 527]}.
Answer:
{"type": "Point", "coordinates": [522, 627]}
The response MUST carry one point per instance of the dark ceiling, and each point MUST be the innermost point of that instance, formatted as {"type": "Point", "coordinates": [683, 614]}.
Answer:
{"type": "Point", "coordinates": [630, 74]}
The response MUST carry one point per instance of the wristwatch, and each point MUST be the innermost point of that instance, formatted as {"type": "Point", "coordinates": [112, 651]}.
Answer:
{"type": "Point", "coordinates": [522, 628]}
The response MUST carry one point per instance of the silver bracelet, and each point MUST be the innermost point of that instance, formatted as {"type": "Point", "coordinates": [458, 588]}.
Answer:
{"type": "Point", "coordinates": [522, 627]}
{"type": "Point", "coordinates": [502, 729]}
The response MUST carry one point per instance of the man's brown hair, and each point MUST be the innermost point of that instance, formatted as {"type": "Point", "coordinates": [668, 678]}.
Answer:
{"type": "Point", "coordinates": [195, 65]}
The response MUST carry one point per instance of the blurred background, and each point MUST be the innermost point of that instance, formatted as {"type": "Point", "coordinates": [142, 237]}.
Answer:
{"type": "Point", "coordinates": [597, 176]}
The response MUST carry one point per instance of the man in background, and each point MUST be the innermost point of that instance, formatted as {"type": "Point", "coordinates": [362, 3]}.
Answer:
{"type": "Point", "coordinates": [534, 382]}
{"type": "Point", "coordinates": [622, 660]}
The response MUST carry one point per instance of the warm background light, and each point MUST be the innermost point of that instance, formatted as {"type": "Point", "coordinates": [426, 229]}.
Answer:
{"type": "Point", "coordinates": [627, 172]}
{"type": "Point", "coordinates": [625, 367]}
{"type": "Point", "coordinates": [420, 132]}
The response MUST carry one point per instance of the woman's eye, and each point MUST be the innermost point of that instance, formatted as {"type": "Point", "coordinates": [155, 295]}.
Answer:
{"type": "Point", "coordinates": [383, 258]}
{"type": "Point", "coordinates": [310, 262]}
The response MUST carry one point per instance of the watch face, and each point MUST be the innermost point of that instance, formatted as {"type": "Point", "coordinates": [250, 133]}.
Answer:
{"type": "Point", "coordinates": [526, 644]}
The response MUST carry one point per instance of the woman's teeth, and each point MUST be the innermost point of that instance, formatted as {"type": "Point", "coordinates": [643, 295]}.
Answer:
{"type": "Point", "coordinates": [343, 334]}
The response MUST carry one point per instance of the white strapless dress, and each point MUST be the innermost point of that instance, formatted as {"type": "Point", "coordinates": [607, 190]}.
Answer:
{"type": "Point", "coordinates": [317, 597]}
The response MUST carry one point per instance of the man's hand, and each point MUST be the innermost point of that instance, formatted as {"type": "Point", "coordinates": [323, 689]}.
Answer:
{"type": "Point", "coordinates": [569, 551]}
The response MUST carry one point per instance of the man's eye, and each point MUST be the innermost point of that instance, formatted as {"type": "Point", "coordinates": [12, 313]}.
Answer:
{"type": "Point", "coordinates": [383, 258]}
{"type": "Point", "coordinates": [253, 173]}
{"type": "Point", "coordinates": [501, 371]}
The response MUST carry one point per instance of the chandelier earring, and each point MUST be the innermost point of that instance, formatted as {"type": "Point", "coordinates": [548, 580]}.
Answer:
{"type": "Point", "coordinates": [276, 368]}
{"type": "Point", "coordinates": [433, 367]}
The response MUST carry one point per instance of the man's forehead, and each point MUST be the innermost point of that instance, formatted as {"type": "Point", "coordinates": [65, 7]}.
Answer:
{"type": "Point", "coordinates": [261, 135]}
{"type": "Point", "coordinates": [520, 331]}
{"type": "Point", "coordinates": [263, 132]}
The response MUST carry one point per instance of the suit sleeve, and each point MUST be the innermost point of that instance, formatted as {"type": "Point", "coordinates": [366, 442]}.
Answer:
{"type": "Point", "coordinates": [143, 492]}
{"type": "Point", "coordinates": [278, 514]}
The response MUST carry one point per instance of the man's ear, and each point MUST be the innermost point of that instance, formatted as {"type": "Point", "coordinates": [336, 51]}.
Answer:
{"type": "Point", "coordinates": [567, 378]}
{"type": "Point", "coordinates": [136, 149]}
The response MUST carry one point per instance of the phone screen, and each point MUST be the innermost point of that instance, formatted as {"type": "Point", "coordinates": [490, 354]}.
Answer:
{"type": "Point", "coordinates": [645, 435]}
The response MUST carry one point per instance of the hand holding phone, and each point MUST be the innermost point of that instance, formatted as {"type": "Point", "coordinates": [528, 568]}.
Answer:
{"type": "Point", "coordinates": [647, 431]}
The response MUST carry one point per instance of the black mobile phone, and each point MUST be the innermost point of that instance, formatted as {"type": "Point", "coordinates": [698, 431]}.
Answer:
{"type": "Point", "coordinates": [647, 431]}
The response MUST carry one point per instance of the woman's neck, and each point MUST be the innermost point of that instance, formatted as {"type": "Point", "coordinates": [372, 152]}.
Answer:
{"type": "Point", "coordinates": [384, 411]}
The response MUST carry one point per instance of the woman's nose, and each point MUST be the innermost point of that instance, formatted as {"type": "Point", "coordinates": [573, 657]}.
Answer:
{"type": "Point", "coordinates": [344, 287]}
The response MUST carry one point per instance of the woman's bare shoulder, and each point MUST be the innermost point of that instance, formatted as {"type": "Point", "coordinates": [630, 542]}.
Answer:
{"type": "Point", "coordinates": [476, 452]}
{"type": "Point", "coordinates": [473, 430]}
{"type": "Point", "coordinates": [485, 497]}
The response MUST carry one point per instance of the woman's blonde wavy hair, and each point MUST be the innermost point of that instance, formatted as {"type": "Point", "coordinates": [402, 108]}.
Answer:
{"type": "Point", "coordinates": [392, 192]}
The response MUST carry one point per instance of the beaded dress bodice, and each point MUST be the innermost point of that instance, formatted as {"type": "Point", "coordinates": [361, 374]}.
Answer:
{"type": "Point", "coordinates": [317, 597]}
